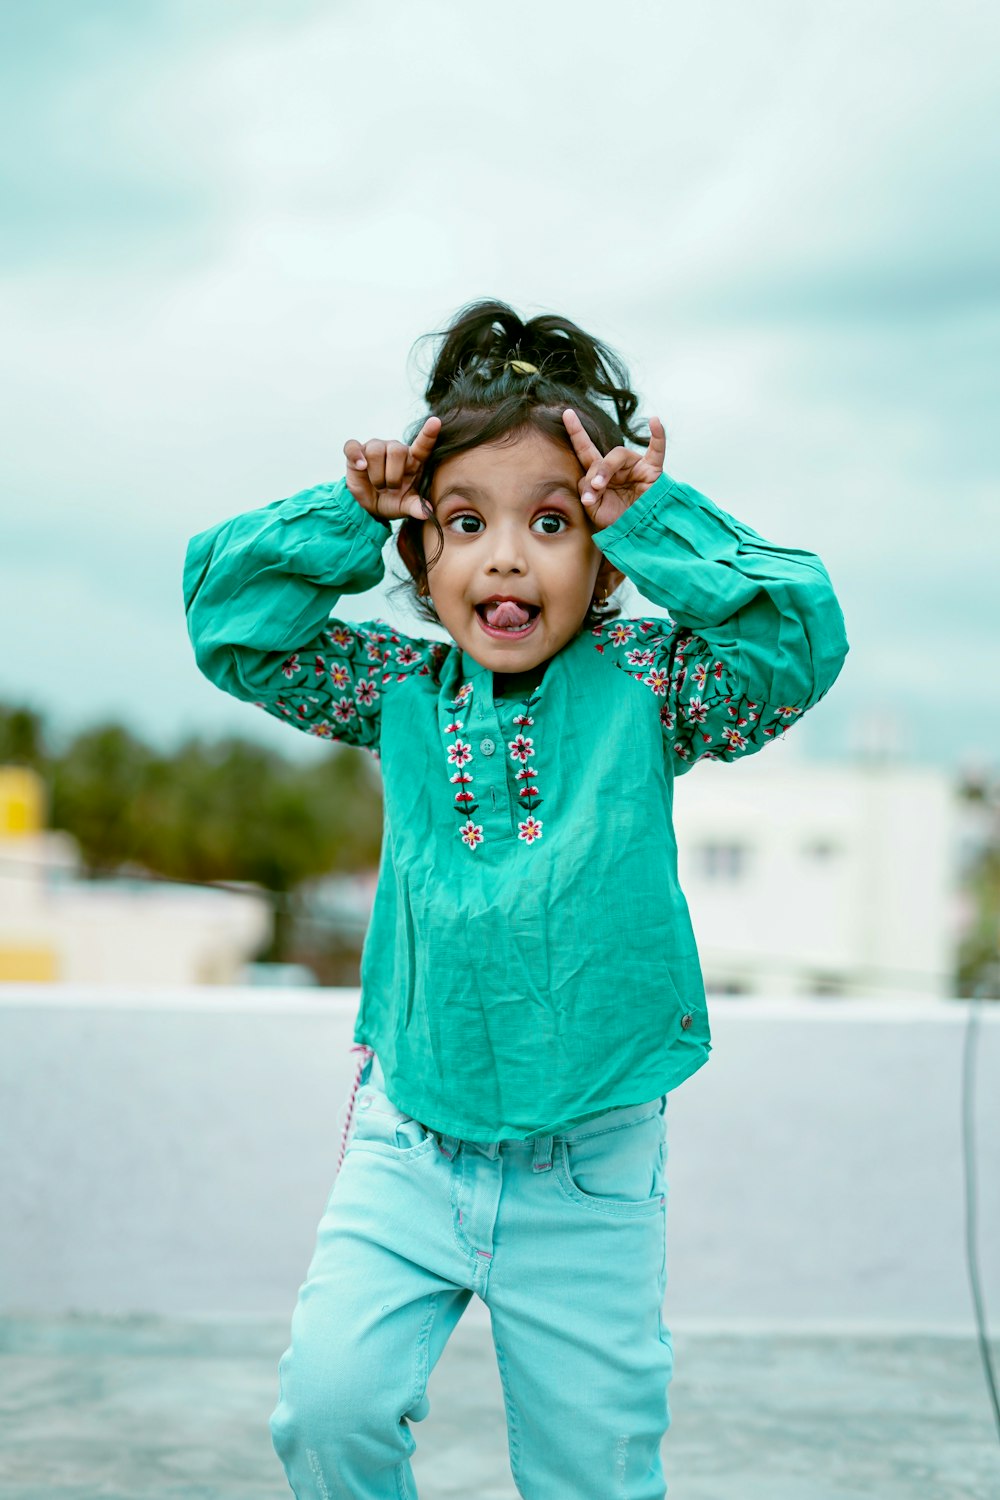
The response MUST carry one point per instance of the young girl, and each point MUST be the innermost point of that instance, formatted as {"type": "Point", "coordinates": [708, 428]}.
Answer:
{"type": "Point", "coordinates": [530, 987]}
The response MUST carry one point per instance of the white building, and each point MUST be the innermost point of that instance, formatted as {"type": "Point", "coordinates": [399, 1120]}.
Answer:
{"type": "Point", "coordinates": [821, 879]}
{"type": "Point", "coordinates": [57, 928]}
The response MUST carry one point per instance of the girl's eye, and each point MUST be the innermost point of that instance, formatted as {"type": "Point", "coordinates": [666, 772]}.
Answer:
{"type": "Point", "coordinates": [551, 523]}
{"type": "Point", "coordinates": [458, 523]}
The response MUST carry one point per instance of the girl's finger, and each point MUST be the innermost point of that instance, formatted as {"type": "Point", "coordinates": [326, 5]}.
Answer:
{"type": "Point", "coordinates": [355, 454]}
{"type": "Point", "coordinates": [396, 456]}
{"type": "Point", "coordinates": [419, 509]}
{"type": "Point", "coordinates": [423, 443]}
{"type": "Point", "coordinates": [600, 474]}
{"type": "Point", "coordinates": [584, 449]}
{"type": "Point", "coordinates": [375, 454]}
{"type": "Point", "coordinates": [657, 450]}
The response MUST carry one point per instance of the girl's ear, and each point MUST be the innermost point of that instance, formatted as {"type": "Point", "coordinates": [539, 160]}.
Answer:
{"type": "Point", "coordinates": [409, 545]}
{"type": "Point", "coordinates": [608, 579]}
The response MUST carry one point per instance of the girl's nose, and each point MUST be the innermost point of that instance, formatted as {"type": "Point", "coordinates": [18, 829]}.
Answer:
{"type": "Point", "coordinates": [506, 555]}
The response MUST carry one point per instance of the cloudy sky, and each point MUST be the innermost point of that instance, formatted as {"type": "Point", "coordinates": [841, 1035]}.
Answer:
{"type": "Point", "coordinates": [227, 221]}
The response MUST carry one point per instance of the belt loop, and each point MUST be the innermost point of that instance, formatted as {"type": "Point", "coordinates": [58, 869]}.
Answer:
{"type": "Point", "coordinates": [543, 1154]}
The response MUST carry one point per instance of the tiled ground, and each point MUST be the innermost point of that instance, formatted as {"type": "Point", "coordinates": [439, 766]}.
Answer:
{"type": "Point", "coordinates": [140, 1409]}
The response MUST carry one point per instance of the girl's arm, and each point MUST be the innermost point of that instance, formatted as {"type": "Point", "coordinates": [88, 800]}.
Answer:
{"type": "Point", "coordinates": [258, 591]}
{"type": "Point", "coordinates": [755, 635]}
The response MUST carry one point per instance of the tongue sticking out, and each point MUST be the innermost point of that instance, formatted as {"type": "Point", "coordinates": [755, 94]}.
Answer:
{"type": "Point", "coordinates": [506, 615]}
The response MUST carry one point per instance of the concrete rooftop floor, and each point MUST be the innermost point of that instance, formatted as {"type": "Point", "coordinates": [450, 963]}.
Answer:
{"type": "Point", "coordinates": [140, 1408]}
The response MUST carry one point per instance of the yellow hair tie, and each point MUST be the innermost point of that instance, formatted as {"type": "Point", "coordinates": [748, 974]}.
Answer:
{"type": "Point", "coordinates": [522, 366]}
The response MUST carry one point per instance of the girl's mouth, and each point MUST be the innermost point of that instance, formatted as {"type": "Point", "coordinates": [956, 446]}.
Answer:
{"type": "Point", "coordinates": [508, 633]}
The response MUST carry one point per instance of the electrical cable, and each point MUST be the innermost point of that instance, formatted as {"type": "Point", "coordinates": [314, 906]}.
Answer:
{"type": "Point", "coordinates": [969, 1162]}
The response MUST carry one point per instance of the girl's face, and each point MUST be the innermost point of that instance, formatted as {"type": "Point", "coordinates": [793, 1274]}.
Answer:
{"type": "Point", "coordinates": [514, 528]}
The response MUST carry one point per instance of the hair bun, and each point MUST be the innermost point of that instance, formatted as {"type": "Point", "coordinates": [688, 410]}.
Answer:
{"type": "Point", "coordinates": [488, 343]}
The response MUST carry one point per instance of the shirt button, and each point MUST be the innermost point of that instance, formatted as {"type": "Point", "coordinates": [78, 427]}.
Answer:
{"type": "Point", "coordinates": [686, 1020]}
{"type": "Point", "coordinates": [487, 746]}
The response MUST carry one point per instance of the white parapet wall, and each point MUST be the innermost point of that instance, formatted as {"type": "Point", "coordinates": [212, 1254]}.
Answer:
{"type": "Point", "coordinates": [170, 1151]}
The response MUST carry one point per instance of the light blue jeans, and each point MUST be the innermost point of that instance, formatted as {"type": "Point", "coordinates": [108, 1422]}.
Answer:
{"type": "Point", "coordinates": [563, 1238]}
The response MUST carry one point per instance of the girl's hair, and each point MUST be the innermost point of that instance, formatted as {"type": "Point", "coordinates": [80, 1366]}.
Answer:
{"type": "Point", "coordinates": [481, 399]}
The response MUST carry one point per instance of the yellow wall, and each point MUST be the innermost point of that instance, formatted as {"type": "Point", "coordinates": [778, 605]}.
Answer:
{"type": "Point", "coordinates": [22, 802]}
{"type": "Point", "coordinates": [24, 964]}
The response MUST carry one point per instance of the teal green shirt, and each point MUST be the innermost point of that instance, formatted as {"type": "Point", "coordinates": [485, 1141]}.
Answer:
{"type": "Point", "coordinates": [530, 961]}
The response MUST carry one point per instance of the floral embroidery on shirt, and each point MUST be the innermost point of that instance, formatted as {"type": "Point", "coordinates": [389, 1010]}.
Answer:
{"type": "Point", "coordinates": [459, 756]}
{"type": "Point", "coordinates": [522, 749]}
{"type": "Point", "coordinates": [348, 674]}
{"type": "Point", "coordinates": [709, 722]}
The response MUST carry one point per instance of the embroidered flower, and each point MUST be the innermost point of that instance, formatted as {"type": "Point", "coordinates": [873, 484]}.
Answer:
{"type": "Point", "coordinates": [619, 634]}
{"type": "Point", "coordinates": [658, 680]}
{"type": "Point", "coordinates": [520, 748]}
{"type": "Point", "coordinates": [523, 719]}
{"type": "Point", "coordinates": [455, 727]}
{"type": "Point", "coordinates": [290, 666]}
{"type": "Point", "coordinates": [344, 710]}
{"type": "Point", "coordinates": [366, 691]}
{"type": "Point", "coordinates": [638, 658]}
{"type": "Point", "coordinates": [530, 830]}
{"type": "Point", "coordinates": [406, 656]}
{"type": "Point", "coordinates": [339, 635]}
{"type": "Point", "coordinates": [339, 676]}
{"type": "Point", "coordinates": [459, 753]}
{"type": "Point", "coordinates": [463, 795]}
{"type": "Point", "coordinates": [472, 833]}
{"type": "Point", "coordinates": [697, 711]}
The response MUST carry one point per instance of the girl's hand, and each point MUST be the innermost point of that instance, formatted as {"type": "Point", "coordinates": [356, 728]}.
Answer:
{"type": "Point", "coordinates": [614, 480]}
{"type": "Point", "coordinates": [383, 477]}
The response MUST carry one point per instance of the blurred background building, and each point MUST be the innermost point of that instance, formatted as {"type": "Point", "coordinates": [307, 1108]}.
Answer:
{"type": "Point", "coordinates": [808, 878]}
{"type": "Point", "coordinates": [823, 879]}
{"type": "Point", "coordinates": [58, 927]}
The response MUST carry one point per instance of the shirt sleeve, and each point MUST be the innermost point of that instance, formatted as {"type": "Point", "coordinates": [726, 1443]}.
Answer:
{"type": "Point", "coordinates": [754, 635]}
{"type": "Point", "coordinates": [258, 591]}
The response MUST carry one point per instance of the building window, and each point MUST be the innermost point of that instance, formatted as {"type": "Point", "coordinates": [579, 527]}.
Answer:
{"type": "Point", "coordinates": [824, 984]}
{"type": "Point", "coordinates": [820, 849]}
{"type": "Point", "coordinates": [721, 861]}
{"type": "Point", "coordinates": [727, 986]}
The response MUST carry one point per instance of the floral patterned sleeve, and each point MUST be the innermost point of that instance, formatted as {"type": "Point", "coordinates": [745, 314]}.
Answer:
{"type": "Point", "coordinates": [258, 591]}
{"type": "Point", "coordinates": [754, 634]}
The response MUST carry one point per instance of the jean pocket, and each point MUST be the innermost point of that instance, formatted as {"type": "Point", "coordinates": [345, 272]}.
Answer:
{"type": "Point", "coordinates": [619, 1172]}
{"type": "Point", "coordinates": [380, 1126]}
